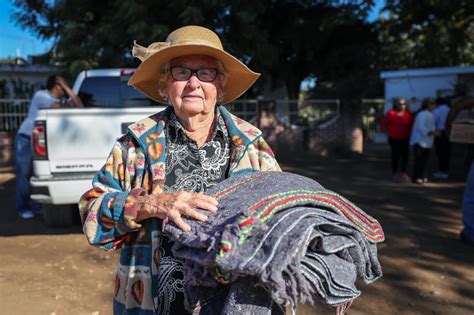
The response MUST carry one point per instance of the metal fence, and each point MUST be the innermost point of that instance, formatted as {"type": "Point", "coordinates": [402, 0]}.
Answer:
{"type": "Point", "coordinates": [12, 113]}
{"type": "Point", "coordinates": [308, 113]}
{"type": "Point", "coordinates": [297, 112]}
{"type": "Point", "coordinates": [311, 112]}
{"type": "Point", "coordinates": [245, 109]}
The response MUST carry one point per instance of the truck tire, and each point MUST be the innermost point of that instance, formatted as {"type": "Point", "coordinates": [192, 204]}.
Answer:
{"type": "Point", "coordinates": [58, 215]}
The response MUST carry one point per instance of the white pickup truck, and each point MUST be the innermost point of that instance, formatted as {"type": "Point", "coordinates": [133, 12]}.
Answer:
{"type": "Point", "coordinates": [70, 145]}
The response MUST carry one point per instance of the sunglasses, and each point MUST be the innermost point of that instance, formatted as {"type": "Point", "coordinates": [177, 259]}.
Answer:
{"type": "Point", "coordinates": [184, 74]}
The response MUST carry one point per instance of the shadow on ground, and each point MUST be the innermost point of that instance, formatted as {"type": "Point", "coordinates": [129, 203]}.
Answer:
{"type": "Point", "coordinates": [427, 269]}
{"type": "Point", "coordinates": [12, 225]}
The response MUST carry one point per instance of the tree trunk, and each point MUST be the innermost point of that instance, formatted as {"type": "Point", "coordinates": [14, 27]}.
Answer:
{"type": "Point", "coordinates": [351, 114]}
{"type": "Point", "coordinates": [293, 83]}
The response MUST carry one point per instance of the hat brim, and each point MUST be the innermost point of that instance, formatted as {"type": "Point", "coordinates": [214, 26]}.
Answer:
{"type": "Point", "coordinates": [147, 77]}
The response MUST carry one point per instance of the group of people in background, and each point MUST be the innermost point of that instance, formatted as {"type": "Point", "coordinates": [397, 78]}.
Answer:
{"type": "Point", "coordinates": [430, 126]}
{"type": "Point", "coordinates": [421, 131]}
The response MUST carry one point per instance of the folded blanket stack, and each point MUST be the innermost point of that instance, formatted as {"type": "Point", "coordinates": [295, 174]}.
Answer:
{"type": "Point", "coordinates": [298, 240]}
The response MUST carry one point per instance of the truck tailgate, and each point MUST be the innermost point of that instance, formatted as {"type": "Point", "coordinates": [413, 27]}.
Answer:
{"type": "Point", "coordinates": [79, 140]}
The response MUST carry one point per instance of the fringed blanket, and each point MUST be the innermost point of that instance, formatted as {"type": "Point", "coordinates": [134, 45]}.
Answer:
{"type": "Point", "coordinates": [285, 232]}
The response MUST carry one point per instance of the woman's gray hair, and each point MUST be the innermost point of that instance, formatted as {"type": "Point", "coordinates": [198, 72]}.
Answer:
{"type": "Point", "coordinates": [166, 76]}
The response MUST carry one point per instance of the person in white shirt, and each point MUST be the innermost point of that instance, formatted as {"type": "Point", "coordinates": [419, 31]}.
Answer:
{"type": "Point", "coordinates": [441, 141]}
{"type": "Point", "coordinates": [422, 136]}
{"type": "Point", "coordinates": [56, 88]}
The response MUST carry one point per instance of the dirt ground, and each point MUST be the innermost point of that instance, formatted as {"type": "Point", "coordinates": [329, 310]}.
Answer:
{"type": "Point", "coordinates": [427, 270]}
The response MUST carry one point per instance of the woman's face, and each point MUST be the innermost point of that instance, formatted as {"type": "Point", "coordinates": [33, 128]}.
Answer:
{"type": "Point", "coordinates": [193, 96]}
{"type": "Point", "coordinates": [402, 105]}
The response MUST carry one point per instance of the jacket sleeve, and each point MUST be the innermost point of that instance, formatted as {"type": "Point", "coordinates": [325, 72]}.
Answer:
{"type": "Point", "coordinates": [266, 157]}
{"type": "Point", "coordinates": [108, 209]}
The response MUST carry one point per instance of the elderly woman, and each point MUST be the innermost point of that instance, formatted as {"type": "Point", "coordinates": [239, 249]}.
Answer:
{"type": "Point", "coordinates": [160, 168]}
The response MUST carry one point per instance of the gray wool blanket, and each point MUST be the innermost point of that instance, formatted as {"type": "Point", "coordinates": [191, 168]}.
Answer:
{"type": "Point", "coordinates": [288, 236]}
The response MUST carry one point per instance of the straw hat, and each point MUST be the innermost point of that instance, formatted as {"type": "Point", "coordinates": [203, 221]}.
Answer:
{"type": "Point", "coordinates": [188, 40]}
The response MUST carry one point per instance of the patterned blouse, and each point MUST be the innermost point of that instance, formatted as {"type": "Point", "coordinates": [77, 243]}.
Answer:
{"type": "Point", "coordinates": [191, 169]}
{"type": "Point", "coordinates": [194, 169]}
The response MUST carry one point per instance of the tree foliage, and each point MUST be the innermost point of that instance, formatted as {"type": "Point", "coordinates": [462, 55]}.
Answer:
{"type": "Point", "coordinates": [286, 40]}
{"type": "Point", "coordinates": [426, 33]}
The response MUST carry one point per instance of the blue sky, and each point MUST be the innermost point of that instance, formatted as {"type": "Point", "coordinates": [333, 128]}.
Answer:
{"type": "Point", "coordinates": [379, 4]}
{"type": "Point", "coordinates": [16, 41]}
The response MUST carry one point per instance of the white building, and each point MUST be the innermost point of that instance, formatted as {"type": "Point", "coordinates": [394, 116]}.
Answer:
{"type": "Point", "coordinates": [416, 84]}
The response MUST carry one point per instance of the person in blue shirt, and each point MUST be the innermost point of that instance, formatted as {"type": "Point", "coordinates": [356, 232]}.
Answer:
{"type": "Point", "coordinates": [441, 141]}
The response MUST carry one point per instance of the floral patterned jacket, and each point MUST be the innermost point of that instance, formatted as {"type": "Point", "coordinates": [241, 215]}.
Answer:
{"type": "Point", "coordinates": [136, 166]}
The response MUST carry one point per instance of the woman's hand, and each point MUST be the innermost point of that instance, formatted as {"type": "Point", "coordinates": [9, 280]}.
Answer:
{"type": "Point", "coordinates": [174, 205]}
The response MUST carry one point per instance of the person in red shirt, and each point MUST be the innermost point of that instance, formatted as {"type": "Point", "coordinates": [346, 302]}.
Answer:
{"type": "Point", "coordinates": [398, 123]}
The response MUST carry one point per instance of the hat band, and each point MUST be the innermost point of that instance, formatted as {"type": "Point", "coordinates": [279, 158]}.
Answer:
{"type": "Point", "coordinates": [143, 53]}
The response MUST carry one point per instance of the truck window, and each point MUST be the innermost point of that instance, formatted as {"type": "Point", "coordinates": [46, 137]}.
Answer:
{"type": "Point", "coordinates": [111, 92]}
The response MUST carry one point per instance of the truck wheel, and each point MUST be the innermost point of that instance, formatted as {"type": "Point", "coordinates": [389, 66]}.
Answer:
{"type": "Point", "coordinates": [58, 215]}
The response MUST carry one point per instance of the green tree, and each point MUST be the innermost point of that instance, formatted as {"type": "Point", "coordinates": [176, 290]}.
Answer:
{"type": "Point", "coordinates": [426, 33]}
{"type": "Point", "coordinates": [286, 40]}
{"type": "Point", "coordinates": [90, 34]}
{"type": "Point", "coordinates": [23, 89]}
{"type": "Point", "coordinates": [291, 40]}
{"type": "Point", "coordinates": [4, 92]}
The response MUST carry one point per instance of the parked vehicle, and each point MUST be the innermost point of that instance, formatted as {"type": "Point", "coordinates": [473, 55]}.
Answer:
{"type": "Point", "coordinates": [70, 145]}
